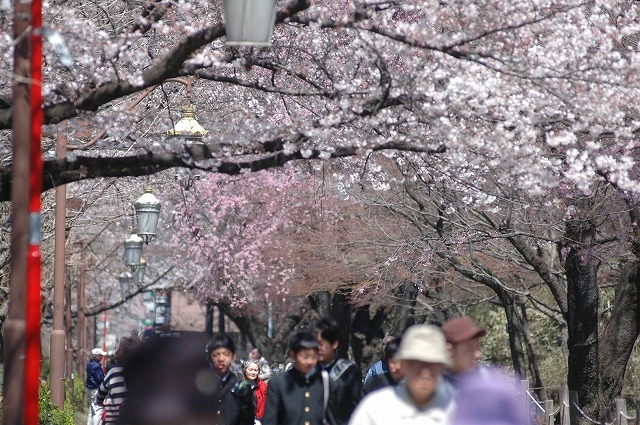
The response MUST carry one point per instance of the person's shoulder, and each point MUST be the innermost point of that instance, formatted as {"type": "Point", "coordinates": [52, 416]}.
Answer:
{"type": "Point", "coordinates": [278, 378]}
{"type": "Point", "coordinates": [344, 367]}
{"type": "Point", "coordinates": [380, 396]}
{"type": "Point", "coordinates": [376, 368]}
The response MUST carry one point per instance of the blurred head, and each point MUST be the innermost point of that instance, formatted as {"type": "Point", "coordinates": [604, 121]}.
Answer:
{"type": "Point", "coordinates": [97, 353]}
{"type": "Point", "coordinates": [463, 341]}
{"type": "Point", "coordinates": [251, 369]}
{"type": "Point", "coordinates": [255, 354]}
{"type": "Point", "coordinates": [222, 352]}
{"type": "Point", "coordinates": [125, 348]}
{"type": "Point", "coordinates": [386, 340]}
{"type": "Point", "coordinates": [169, 382]}
{"type": "Point", "coordinates": [328, 335]}
{"type": "Point", "coordinates": [423, 357]}
{"type": "Point", "coordinates": [489, 399]}
{"type": "Point", "coordinates": [303, 349]}
{"type": "Point", "coordinates": [394, 366]}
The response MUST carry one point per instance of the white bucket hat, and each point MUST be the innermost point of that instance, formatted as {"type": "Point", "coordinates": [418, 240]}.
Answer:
{"type": "Point", "coordinates": [425, 343]}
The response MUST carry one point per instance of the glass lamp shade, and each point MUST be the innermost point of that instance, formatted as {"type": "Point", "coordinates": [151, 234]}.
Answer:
{"type": "Point", "coordinates": [147, 211]}
{"type": "Point", "coordinates": [249, 22]}
{"type": "Point", "coordinates": [125, 284]}
{"type": "Point", "coordinates": [142, 267]}
{"type": "Point", "coordinates": [133, 250]}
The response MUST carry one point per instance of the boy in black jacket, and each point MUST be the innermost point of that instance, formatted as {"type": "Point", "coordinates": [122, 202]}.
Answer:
{"type": "Point", "coordinates": [297, 396]}
{"type": "Point", "coordinates": [346, 378]}
{"type": "Point", "coordinates": [231, 407]}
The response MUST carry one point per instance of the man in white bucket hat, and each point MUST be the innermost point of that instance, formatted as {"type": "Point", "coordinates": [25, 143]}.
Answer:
{"type": "Point", "coordinates": [423, 398]}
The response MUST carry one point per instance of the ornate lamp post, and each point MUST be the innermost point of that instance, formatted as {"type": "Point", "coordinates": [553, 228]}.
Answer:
{"type": "Point", "coordinates": [147, 212]}
{"type": "Point", "coordinates": [249, 22]}
{"type": "Point", "coordinates": [139, 273]}
{"type": "Point", "coordinates": [133, 250]}
{"type": "Point", "coordinates": [126, 278]}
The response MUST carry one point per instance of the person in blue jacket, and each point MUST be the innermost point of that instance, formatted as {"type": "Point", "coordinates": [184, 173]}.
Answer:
{"type": "Point", "coordinates": [95, 376]}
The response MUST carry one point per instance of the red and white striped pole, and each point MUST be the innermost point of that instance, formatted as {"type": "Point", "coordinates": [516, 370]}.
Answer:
{"type": "Point", "coordinates": [33, 295]}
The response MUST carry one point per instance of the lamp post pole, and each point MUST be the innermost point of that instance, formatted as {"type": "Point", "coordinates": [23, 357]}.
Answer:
{"type": "Point", "coordinates": [56, 376]}
{"type": "Point", "coordinates": [14, 330]}
{"type": "Point", "coordinates": [81, 318]}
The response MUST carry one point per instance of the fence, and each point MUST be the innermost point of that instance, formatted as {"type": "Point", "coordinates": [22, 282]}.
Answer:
{"type": "Point", "coordinates": [568, 411]}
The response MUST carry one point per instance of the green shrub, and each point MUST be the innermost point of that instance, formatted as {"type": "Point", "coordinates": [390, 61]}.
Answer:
{"type": "Point", "coordinates": [50, 414]}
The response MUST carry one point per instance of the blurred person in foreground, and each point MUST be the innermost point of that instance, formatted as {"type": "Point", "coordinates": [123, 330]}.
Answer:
{"type": "Point", "coordinates": [169, 382]}
{"type": "Point", "coordinates": [463, 341]}
{"type": "Point", "coordinates": [423, 398]}
{"type": "Point", "coordinates": [299, 395]}
{"type": "Point", "coordinates": [381, 366]}
{"type": "Point", "coordinates": [345, 375]}
{"type": "Point", "coordinates": [94, 377]}
{"type": "Point", "coordinates": [113, 392]}
{"type": "Point", "coordinates": [490, 398]}
{"type": "Point", "coordinates": [393, 370]}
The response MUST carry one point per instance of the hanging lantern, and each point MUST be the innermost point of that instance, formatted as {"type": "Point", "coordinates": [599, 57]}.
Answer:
{"type": "Point", "coordinates": [142, 267]}
{"type": "Point", "coordinates": [125, 284]}
{"type": "Point", "coordinates": [249, 22]}
{"type": "Point", "coordinates": [147, 212]}
{"type": "Point", "coordinates": [133, 250]}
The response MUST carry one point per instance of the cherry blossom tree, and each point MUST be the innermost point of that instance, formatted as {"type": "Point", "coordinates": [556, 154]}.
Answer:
{"type": "Point", "coordinates": [230, 231]}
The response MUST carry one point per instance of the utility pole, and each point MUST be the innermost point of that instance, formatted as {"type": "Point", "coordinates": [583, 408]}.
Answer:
{"type": "Point", "coordinates": [14, 331]}
{"type": "Point", "coordinates": [56, 375]}
{"type": "Point", "coordinates": [80, 317]}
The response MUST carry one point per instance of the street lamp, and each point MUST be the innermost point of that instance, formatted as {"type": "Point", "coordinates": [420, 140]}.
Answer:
{"type": "Point", "coordinates": [126, 278]}
{"type": "Point", "coordinates": [188, 126]}
{"type": "Point", "coordinates": [147, 212]}
{"type": "Point", "coordinates": [133, 250]}
{"type": "Point", "coordinates": [249, 22]}
{"type": "Point", "coordinates": [139, 273]}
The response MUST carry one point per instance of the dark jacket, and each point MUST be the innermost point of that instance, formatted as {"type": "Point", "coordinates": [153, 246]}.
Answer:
{"type": "Point", "coordinates": [293, 399]}
{"type": "Point", "coordinates": [346, 390]}
{"type": "Point", "coordinates": [95, 375]}
{"type": "Point", "coordinates": [375, 382]}
{"type": "Point", "coordinates": [230, 409]}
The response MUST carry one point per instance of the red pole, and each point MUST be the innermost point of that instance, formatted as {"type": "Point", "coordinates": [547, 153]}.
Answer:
{"type": "Point", "coordinates": [104, 337]}
{"type": "Point", "coordinates": [33, 305]}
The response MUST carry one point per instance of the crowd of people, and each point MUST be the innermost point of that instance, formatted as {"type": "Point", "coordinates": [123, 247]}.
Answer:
{"type": "Point", "coordinates": [429, 375]}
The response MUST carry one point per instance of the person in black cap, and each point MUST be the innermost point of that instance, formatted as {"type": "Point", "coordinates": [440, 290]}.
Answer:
{"type": "Point", "coordinates": [463, 340]}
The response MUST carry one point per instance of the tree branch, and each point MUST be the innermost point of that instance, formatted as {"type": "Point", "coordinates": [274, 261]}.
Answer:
{"type": "Point", "coordinates": [167, 67]}
{"type": "Point", "coordinates": [63, 171]}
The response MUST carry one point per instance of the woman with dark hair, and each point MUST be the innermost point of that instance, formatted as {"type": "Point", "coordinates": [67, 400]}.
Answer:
{"type": "Point", "coordinates": [112, 392]}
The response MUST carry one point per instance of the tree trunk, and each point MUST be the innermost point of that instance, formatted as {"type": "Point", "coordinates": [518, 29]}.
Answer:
{"type": "Point", "coordinates": [621, 333]}
{"type": "Point", "coordinates": [532, 359]}
{"type": "Point", "coordinates": [367, 332]}
{"type": "Point", "coordinates": [209, 319]}
{"type": "Point", "coordinates": [514, 329]}
{"type": "Point", "coordinates": [583, 300]}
